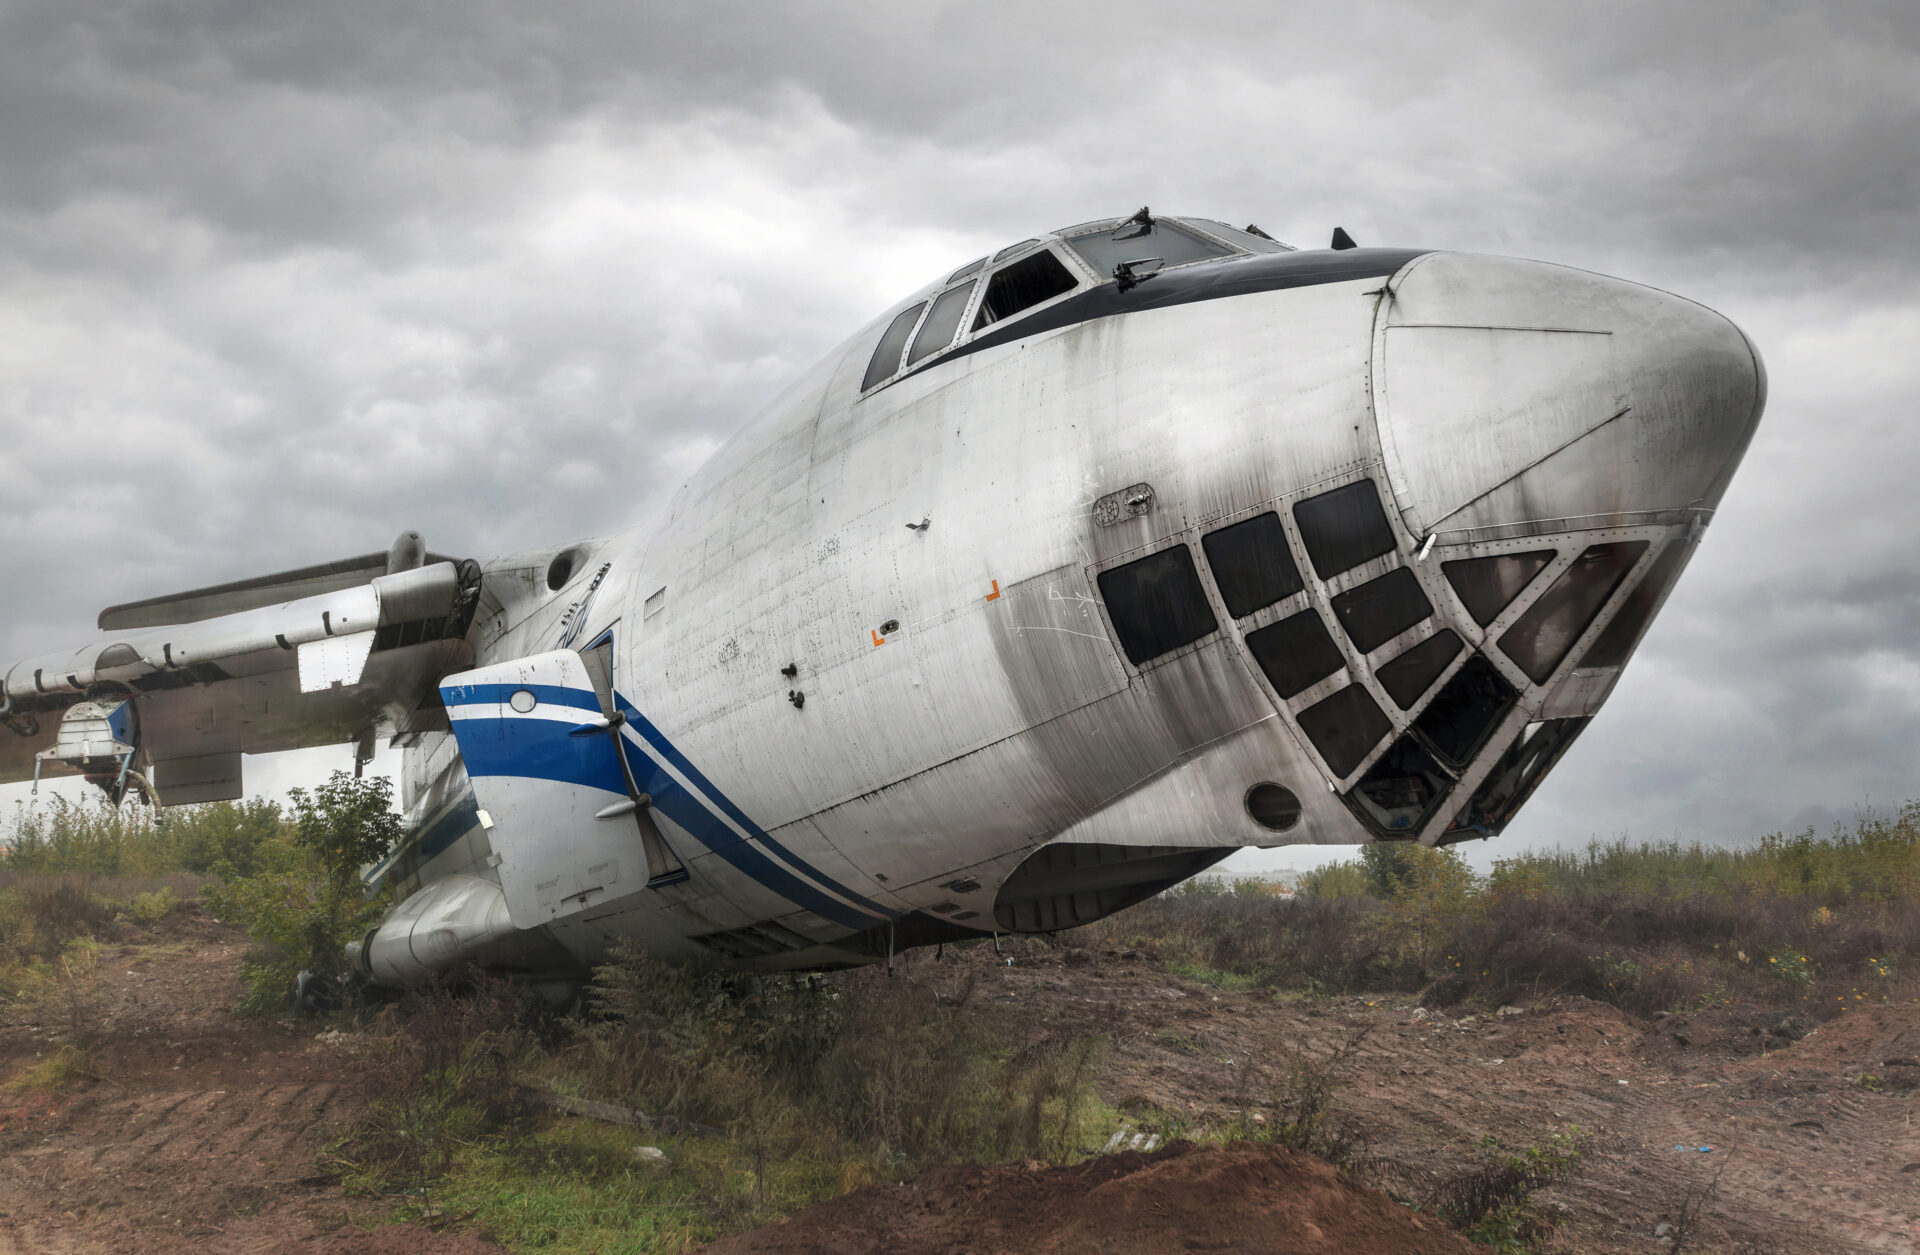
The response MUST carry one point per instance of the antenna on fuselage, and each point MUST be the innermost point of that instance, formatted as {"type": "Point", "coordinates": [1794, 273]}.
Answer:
{"type": "Point", "coordinates": [1341, 239]}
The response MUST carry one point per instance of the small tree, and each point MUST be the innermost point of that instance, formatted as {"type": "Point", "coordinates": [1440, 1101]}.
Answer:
{"type": "Point", "coordinates": [304, 918]}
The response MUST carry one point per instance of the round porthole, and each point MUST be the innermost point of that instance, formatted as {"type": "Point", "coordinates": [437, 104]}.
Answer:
{"type": "Point", "coordinates": [1273, 806]}
{"type": "Point", "coordinates": [524, 701]}
{"type": "Point", "coordinates": [560, 570]}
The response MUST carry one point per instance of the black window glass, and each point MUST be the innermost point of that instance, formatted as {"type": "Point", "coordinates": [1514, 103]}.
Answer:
{"type": "Point", "coordinates": [1023, 285]}
{"type": "Point", "coordinates": [1252, 564]}
{"type": "Point", "coordinates": [971, 268]}
{"type": "Point", "coordinates": [1541, 637]}
{"type": "Point", "coordinates": [1157, 604]}
{"type": "Point", "coordinates": [1414, 671]}
{"type": "Point", "coordinates": [1514, 778]}
{"type": "Point", "coordinates": [1401, 789]}
{"type": "Point", "coordinates": [1345, 727]}
{"type": "Point", "coordinates": [1296, 652]}
{"type": "Point", "coordinates": [1379, 610]}
{"type": "Point", "coordinates": [886, 358]}
{"type": "Point", "coordinates": [1622, 633]}
{"type": "Point", "coordinates": [943, 320]}
{"type": "Point", "coordinates": [1011, 249]}
{"type": "Point", "coordinates": [1172, 245]}
{"type": "Point", "coordinates": [1343, 528]}
{"type": "Point", "coordinates": [1488, 585]}
{"type": "Point", "coordinates": [1465, 710]}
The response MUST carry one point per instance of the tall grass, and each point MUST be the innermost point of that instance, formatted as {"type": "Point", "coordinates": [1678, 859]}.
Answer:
{"type": "Point", "coordinates": [1798, 921]}
{"type": "Point", "coordinates": [96, 839]}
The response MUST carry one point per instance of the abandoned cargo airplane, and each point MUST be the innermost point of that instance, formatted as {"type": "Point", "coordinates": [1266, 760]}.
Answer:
{"type": "Point", "coordinates": [1092, 561]}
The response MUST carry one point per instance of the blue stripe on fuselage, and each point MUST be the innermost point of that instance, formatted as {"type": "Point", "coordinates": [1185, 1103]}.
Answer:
{"type": "Point", "coordinates": [547, 749]}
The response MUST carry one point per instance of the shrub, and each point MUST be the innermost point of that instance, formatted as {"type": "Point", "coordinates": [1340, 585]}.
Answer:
{"type": "Point", "coordinates": [303, 918]}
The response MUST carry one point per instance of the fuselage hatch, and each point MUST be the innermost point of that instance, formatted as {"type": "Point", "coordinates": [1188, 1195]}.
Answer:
{"type": "Point", "coordinates": [1097, 559]}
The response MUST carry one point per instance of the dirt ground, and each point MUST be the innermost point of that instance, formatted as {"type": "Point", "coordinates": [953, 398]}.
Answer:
{"type": "Point", "coordinates": [202, 1131]}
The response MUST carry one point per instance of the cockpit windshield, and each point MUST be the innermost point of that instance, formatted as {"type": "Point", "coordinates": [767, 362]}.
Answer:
{"type": "Point", "coordinates": [1159, 241]}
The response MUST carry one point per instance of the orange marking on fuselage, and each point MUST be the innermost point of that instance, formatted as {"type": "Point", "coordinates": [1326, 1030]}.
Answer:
{"type": "Point", "coordinates": [995, 594]}
{"type": "Point", "coordinates": [879, 639]}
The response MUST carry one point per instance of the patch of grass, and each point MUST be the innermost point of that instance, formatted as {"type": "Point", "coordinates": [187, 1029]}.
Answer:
{"type": "Point", "coordinates": [63, 1067]}
{"type": "Point", "coordinates": [1492, 1202]}
{"type": "Point", "coordinates": [1793, 923]}
{"type": "Point", "coordinates": [1302, 1113]}
{"type": "Point", "coordinates": [811, 1091]}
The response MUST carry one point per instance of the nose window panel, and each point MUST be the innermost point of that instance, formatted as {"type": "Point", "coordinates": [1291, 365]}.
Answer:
{"type": "Point", "coordinates": [886, 358]}
{"type": "Point", "coordinates": [1296, 653]}
{"type": "Point", "coordinates": [1157, 604]}
{"type": "Point", "coordinates": [1486, 586]}
{"type": "Point", "coordinates": [1519, 771]}
{"type": "Point", "coordinates": [1345, 727]}
{"type": "Point", "coordinates": [1410, 674]}
{"type": "Point", "coordinates": [1401, 789]}
{"type": "Point", "coordinates": [1379, 610]}
{"type": "Point", "coordinates": [1343, 528]}
{"type": "Point", "coordinates": [1617, 639]}
{"type": "Point", "coordinates": [1252, 564]}
{"type": "Point", "coordinates": [1022, 285]}
{"type": "Point", "coordinates": [1465, 710]}
{"type": "Point", "coordinates": [1541, 637]}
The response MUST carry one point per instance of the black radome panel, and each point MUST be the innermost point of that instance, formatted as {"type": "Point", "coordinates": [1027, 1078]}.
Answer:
{"type": "Point", "coordinates": [1157, 604]}
{"type": "Point", "coordinates": [1380, 609]}
{"type": "Point", "coordinates": [1412, 672]}
{"type": "Point", "coordinates": [1486, 586]}
{"type": "Point", "coordinates": [1252, 564]}
{"type": "Point", "coordinates": [1296, 653]}
{"type": "Point", "coordinates": [1343, 528]}
{"type": "Point", "coordinates": [1345, 727]}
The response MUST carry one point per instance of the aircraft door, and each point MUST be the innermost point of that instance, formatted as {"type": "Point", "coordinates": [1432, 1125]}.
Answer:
{"type": "Point", "coordinates": [543, 744]}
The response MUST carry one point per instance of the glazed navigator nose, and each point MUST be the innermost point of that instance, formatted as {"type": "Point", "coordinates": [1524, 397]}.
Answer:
{"type": "Point", "coordinates": [1518, 397]}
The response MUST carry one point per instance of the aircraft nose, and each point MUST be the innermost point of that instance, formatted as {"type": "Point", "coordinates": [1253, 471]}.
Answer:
{"type": "Point", "coordinates": [1510, 394]}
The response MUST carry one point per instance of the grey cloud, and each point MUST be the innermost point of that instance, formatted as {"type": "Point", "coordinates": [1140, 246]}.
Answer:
{"type": "Point", "coordinates": [278, 281]}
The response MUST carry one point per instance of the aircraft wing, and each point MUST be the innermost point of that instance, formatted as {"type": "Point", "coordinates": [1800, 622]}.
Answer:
{"type": "Point", "coordinates": [325, 655]}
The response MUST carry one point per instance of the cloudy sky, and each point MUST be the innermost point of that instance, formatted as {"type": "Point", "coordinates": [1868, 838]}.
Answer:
{"type": "Point", "coordinates": [279, 281]}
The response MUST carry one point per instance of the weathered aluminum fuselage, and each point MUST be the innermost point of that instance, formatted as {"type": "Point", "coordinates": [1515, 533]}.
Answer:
{"type": "Point", "coordinates": [872, 662]}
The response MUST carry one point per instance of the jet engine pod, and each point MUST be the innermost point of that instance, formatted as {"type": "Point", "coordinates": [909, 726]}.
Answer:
{"type": "Point", "coordinates": [1514, 392]}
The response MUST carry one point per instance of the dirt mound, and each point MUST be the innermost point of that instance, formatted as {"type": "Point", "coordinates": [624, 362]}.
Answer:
{"type": "Point", "coordinates": [1240, 1197]}
{"type": "Point", "coordinates": [1867, 1038]}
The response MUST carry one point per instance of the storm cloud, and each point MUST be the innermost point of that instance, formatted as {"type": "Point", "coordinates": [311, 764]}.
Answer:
{"type": "Point", "coordinates": [277, 282]}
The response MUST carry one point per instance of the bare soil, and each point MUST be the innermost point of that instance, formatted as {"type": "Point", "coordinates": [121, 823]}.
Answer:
{"type": "Point", "coordinates": [201, 1130]}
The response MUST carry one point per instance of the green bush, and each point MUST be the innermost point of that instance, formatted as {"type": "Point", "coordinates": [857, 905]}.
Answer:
{"type": "Point", "coordinates": [303, 917]}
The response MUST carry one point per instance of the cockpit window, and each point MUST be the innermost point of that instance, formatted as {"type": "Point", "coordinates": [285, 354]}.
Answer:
{"type": "Point", "coordinates": [1172, 246]}
{"type": "Point", "coordinates": [971, 268]}
{"type": "Point", "coordinates": [1022, 285]}
{"type": "Point", "coordinates": [942, 321]}
{"type": "Point", "coordinates": [886, 358]}
{"type": "Point", "coordinates": [1234, 235]}
{"type": "Point", "coordinates": [1011, 249]}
